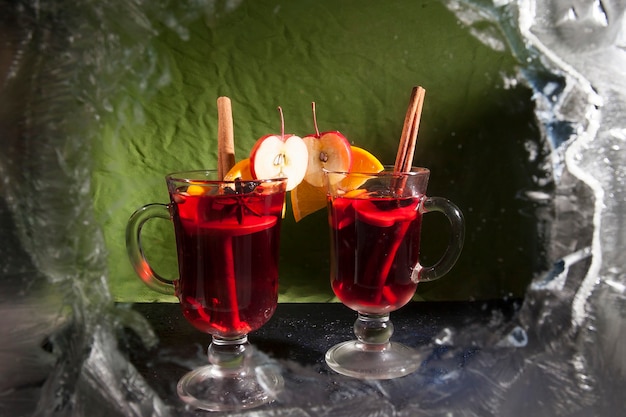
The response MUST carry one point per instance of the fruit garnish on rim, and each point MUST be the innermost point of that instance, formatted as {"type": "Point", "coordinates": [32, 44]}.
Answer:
{"type": "Point", "coordinates": [301, 161]}
{"type": "Point", "coordinates": [284, 155]}
{"type": "Point", "coordinates": [241, 170]}
{"type": "Point", "coordinates": [327, 150]}
{"type": "Point", "coordinates": [362, 161]}
{"type": "Point", "coordinates": [307, 199]}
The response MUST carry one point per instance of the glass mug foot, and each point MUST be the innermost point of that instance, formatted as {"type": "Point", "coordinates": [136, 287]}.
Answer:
{"type": "Point", "coordinates": [353, 358]}
{"type": "Point", "coordinates": [244, 384]}
{"type": "Point", "coordinates": [372, 355]}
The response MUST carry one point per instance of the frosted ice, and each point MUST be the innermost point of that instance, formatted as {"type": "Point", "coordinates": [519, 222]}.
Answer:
{"type": "Point", "coordinates": [565, 348]}
{"type": "Point", "coordinates": [517, 338]}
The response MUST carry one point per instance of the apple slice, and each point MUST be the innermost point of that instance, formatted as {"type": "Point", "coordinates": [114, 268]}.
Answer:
{"type": "Point", "coordinates": [279, 156]}
{"type": "Point", "coordinates": [274, 156]}
{"type": "Point", "coordinates": [327, 150]}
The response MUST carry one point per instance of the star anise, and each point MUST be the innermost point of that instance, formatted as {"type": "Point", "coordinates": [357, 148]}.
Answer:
{"type": "Point", "coordinates": [237, 203]}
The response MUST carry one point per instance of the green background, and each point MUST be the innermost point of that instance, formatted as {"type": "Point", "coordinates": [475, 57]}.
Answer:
{"type": "Point", "coordinates": [358, 60]}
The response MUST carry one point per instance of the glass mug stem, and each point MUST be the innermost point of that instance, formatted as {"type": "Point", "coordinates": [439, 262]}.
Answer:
{"type": "Point", "coordinates": [373, 331]}
{"type": "Point", "coordinates": [455, 242]}
{"type": "Point", "coordinates": [135, 252]}
{"type": "Point", "coordinates": [228, 354]}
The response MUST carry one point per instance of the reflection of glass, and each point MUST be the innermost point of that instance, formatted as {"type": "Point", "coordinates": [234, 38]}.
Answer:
{"type": "Point", "coordinates": [375, 222]}
{"type": "Point", "coordinates": [227, 238]}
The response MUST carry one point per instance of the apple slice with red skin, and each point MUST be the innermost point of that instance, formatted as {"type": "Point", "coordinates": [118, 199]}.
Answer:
{"type": "Point", "coordinates": [275, 156]}
{"type": "Point", "coordinates": [327, 150]}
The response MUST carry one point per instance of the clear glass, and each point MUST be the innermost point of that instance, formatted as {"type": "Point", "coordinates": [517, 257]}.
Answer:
{"type": "Point", "coordinates": [227, 239]}
{"type": "Point", "coordinates": [375, 223]}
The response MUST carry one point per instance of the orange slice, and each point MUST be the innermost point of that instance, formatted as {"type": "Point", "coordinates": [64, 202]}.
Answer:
{"type": "Point", "coordinates": [307, 199]}
{"type": "Point", "coordinates": [364, 161]}
{"type": "Point", "coordinates": [195, 189]}
{"type": "Point", "coordinates": [240, 170]}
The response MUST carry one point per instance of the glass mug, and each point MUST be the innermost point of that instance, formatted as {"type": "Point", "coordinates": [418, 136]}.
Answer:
{"type": "Point", "coordinates": [375, 223]}
{"type": "Point", "coordinates": [227, 240]}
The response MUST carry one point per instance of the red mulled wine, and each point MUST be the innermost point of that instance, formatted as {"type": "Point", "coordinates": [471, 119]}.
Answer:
{"type": "Point", "coordinates": [374, 248]}
{"type": "Point", "coordinates": [228, 259]}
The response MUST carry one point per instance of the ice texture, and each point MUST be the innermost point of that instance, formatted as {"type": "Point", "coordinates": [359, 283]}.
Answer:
{"type": "Point", "coordinates": [563, 354]}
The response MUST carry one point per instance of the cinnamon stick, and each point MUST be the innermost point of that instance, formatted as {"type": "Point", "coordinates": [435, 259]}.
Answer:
{"type": "Point", "coordinates": [225, 161]}
{"type": "Point", "coordinates": [225, 137]}
{"type": "Point", "coordinates": [383, 273]}
{"type": "Point", "coordinates": [404, 162]}
{"type": "Point", "coordinates": [230, 286]}
{"type": "Point", "coordinates": [408, 140]}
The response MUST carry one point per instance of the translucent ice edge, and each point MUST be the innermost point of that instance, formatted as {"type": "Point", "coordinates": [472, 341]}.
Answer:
{"type": "Point", "coordinates": [517, 22]}
{"type": "Point", "coordinates": [527, 10]}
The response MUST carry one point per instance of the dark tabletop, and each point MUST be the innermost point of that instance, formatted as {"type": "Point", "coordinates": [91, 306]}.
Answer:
{"type": "Point", "coordinates": [298, 335]}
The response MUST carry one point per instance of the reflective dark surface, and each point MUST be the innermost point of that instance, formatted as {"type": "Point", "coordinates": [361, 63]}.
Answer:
{"type": "Point", "coordinates": [297, 337]}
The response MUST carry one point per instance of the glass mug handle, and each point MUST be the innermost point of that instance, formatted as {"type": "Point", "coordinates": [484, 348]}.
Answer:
{"type": "Point", "coordinates": [455, 243]}
{"type": "Point", "coordinates": [135, 251]}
